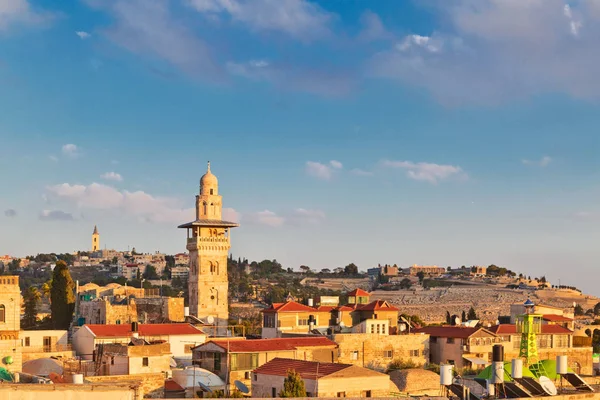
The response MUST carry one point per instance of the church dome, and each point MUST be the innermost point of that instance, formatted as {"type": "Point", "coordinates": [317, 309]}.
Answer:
{"type": "Point", "coordinates": [209, 181]}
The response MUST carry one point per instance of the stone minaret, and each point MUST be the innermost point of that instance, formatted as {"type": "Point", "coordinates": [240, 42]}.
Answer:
{"type": "Point", "coordinates": [95, 239]}
{"type": "Point", "coordinates": [208, 241]}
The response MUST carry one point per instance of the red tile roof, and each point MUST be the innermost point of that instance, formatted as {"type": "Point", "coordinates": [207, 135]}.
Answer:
{"type": "Point", "coordinates": [461, 332]}
{"type": "Point", "coordinates": [377, 305]}
{"type": "Point", "coordinates": [556, 318]}
{"type": "Point", "coordinates": [290, 306]}
{"type": "Point", "coordinates": [279, 344]}
{"type": "Point", "coordinates": [306, 369]}
{"type": "Point", "coordinates": [344, 308]}
{"type": "Point", "coordinates": [124, 330]}
{"type": "Point", "coordinates": [507, 329]}
{"type": "Point", "coordinates": [358, 292]}
{"type": "Point", "coordinates": [172, 386]}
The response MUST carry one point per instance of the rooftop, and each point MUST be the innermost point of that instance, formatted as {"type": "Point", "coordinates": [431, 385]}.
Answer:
{"type": "Point", "coordinates": [279, 344]}
{"type": "Point", "coordinates": [290, 306]}
{"type": "Point", "coordinates": [506, 329]}
{"type": "Point", "coordinates": [124, 330]}
{"type": "Point", "coordinates": [358, 292]}
{"type": "Point", "coordinates": [307, 369]}
{"type": "Point", "coordinates": [462, 332]}
{"type": "Point", "coordinates": [556, 318]}
{"type": "Point", "coordinates": [210, 222]}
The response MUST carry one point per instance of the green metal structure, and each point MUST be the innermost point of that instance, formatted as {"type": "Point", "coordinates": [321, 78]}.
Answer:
{"type": "Point", "coordinates": [529, 325]}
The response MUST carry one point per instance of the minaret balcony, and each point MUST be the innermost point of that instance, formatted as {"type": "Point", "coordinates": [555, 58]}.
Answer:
{"type": "Point", "coordinates": [196, 241]}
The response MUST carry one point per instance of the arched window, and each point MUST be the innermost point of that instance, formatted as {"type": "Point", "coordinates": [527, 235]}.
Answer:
{"type": "Point", "coordinates": [204, 208]}
{"type": "Point", "coordinates": [211, 191]}
{"type": "Point", "coordinates": [2, 313]}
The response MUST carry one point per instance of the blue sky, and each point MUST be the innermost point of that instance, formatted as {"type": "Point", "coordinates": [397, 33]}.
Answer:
{"type": "Point", "coordinates": [432, 132]}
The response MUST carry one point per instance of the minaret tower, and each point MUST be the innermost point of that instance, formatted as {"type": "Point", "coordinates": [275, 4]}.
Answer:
{"type": "Point", "coordinates": [95, 239]}
{"type": "Point", "coordinates": [529, 325]}
{"type": "Point", "coordinates": [208, 241]}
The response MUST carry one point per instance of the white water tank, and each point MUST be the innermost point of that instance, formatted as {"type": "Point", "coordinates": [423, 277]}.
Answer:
{"type": "Point", "coordinates": [561, 365]}
{"type": "Point", "coordinates": [491, 389]}
{"type": "Point", "coordinates": [135, 335]}
{"type": "Point", "coordinates": [186, 311]}
{"type": "Point", "coordinates": [77, 379]}
{"type": "Point", "coordinates": [446, 375]}
{"type": "Point", "coordinates": [310, 302]}
{"type": "Point", "coordinates": [517, 368]}
{"type": "Point", "coordinates": [498, 372]}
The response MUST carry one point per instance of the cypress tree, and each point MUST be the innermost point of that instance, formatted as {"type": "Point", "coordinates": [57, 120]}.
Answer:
{"type": "Point", "coordinates": [293, 385]}
{"type": "Point", "coordinates": [31, 299]}
{"type": "Point", "coordinates": [62, 295]}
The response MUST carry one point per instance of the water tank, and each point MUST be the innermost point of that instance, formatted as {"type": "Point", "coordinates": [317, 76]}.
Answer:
{"type": "Point", "coordinates": [446, 375]}
{"type": "Point", "coordinates": [517, 368]}
{"type": "Point", "coordinates": [310, 302]}
{"type": "Point", "coordinates": [498, 352]}
{"type": "Point", "coordinates": [498, 372]}
{"type": "Point", "coordinates": [561, 365]}
{"type": "Point", "coordinates": [186, 311]}
{"type": "Point", "coordinates": [491, 389]}
{"type": "Point", "coordinates": [77, 379]}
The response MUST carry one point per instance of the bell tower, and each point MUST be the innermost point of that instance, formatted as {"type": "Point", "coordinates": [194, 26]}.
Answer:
{"type": "Point", "coordinates": [95, 239]}
{"type": "Point", "coordinates": [208, 242]}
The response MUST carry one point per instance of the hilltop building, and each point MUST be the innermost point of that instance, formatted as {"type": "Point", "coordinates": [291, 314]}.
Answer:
{"type": "Point", "coordinates": [95, 240]}
{"type": "Point", "coordinates": [208, 243]}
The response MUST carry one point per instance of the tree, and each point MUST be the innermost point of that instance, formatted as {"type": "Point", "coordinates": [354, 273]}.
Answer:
{"type": "Point", "coordinates": [62, 296]}
{"type": "Point", "coordinates": [597, 309]}
{"type": "Point", "coordinates": [405, 283]}
{"type": "Point", "coordinates": [293, 385]}
{"type": "Point", "coordinates": [421, 276]}
{"type": "Point", "coordinates": [351, 269]}
{"type": "Point", "coordinates": [471, 315]}
{"type": "Point", "coordinates": [47, 289]}
{"type": "Point", "coordinates": [464, 316]}
{"type": "Point", "coordinates": [32, 300]}
{"type": "Point", "coordinates": [14, 265]}
{"type": "Point", "coordinates": [150, 272]}
{"type": "Point", "coordinates": [339, 270]}
{"type": "Point", "coordinates": [138, 275]}
{"type": "Point", "coordinates": [305, 269]}
{"type": "Point", "coordinates": [578, 310]}
{"type": "Point", "coordinates": [325, 271]}
{"type": "Point", "coordinates": [448, 318]}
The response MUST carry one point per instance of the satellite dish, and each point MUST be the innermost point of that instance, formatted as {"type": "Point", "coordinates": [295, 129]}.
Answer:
{"type": "Point", "coordinates": [210, 319]}
{"type": "Point", "coordinates": [402, 328]}
{"type": "Point", "coordinates": [548, 385]}
{"type": "Point", "coordinates": [342, 324]}
{"type": "Point", "coordinates": [457, 321]}
{"type": "Point", "coordinates": [204, 387]}
{"type": "Point", "coordinates": [241, 387]}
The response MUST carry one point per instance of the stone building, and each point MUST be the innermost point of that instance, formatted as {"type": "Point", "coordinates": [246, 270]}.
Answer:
{"type": "Point", "coordinates": [234, 360]}
{"type": "Point", "coordinates": [208, 243]}
{"type": "Point", "coordinates": [137, 357]}
{"type": "Point", "coordinates": [106, 311]}
{"type": "Point", "coordinates": [320, 379]}
{"type": "Point", "coordinates": [95, 240]}
{"type": "Point", "coordinates": [426, 269]}
{"type": "Point", "coordinates": [44, 344]}
{"type": "Point", "coordinates": [10, 323]}
{"type": "Point", "coordinates": [378, 351]}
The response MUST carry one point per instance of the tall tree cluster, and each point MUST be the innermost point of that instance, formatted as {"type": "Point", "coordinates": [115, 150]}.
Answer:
{"type": "Point", "coordinates": [62, 296]}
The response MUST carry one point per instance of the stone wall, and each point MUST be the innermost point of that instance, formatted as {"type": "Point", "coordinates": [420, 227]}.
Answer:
{"type": "Point", "coordinates": [378, 351]}
{"type": "Point", "coordinates": [103, 312]}
{"type": "Point", "coordinates": [113, 391]}
{"type": "Point", "coordinates": [150, 385]}
{"type": "Point", "coordinates": [160, 309]}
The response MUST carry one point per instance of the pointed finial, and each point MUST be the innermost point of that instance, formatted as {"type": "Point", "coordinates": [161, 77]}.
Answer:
{"type": "Point", "coordinates": [208, 169]}
{"type": "Point", "coordinates": [95, 230]}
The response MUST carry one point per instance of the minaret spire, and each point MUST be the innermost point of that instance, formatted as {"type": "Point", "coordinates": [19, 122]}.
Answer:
{"type": "Point", "coordinates": [208, 168]}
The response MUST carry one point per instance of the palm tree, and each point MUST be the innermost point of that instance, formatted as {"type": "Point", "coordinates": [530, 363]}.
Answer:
{"type": "Point", "coordinates": [46, 289]}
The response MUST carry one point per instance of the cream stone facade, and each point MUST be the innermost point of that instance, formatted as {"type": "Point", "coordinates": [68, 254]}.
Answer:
{"type": "Point", "coordinates": [124, 359]}
{"type": "Point", "coordinates": [95, 240]}
{"type": "Point", "coordinates": [44, 344]}
{"type": "Point", "coordinates": [10, 323]}
{"type": "Point", "coordinates": [35, 391]}
{"type": "Point", "coordinates": [378, 351]}
{"type": "Point", "coordinates": [101, 311]}
{"type": "Point", "coordinates": [208, 243]}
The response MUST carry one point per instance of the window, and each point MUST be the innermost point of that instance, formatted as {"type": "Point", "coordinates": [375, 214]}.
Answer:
{"type": "Point", "coordinates": [211, 191]}
{"type": "Point", "coordinates": [243, 361]}
{"type": "Point", "coordinates": [450, 340]}
{"type": "Point", "coordinates": [145, 362]}
{"type": "Point", "coordinates": [354, 355]}
{"type": "Point", "coordinates": [27, 341]}
{"type": "Point", "coordinates": [414, 353]}
{"type": "Point", "coordinates": [247, 374]}
{"type": "Point", "coordinates": [2, 313]}
{"type": "Point", "coordinates": [341, 394]}
{"type": "Point", "coordinates": [451, 362]}
{"type": "Point", "coordinates": [112, 361]}
{"type": "Point", "coordinates": [273, 392]}
{"type": "Point", "coordinates": [388, 353]}
{"type": "Point", "coordinates": [269, 321]}
{"type": "Point", "coordinates": [217, 361]}
{"type": "Point", "coordinates": [303, 321]}
{"type": "Point", "coordinates": [433, 339]}
{"type": "Point", "coordinates": [561, 341]}
{"type": "Point", "coordinates": [378, 329]}
{"type": "Point", "coordinates": [255, 377]}
{"type": "Point", "coordinates": [365, 393]}
{"type": "Point", "coordinates": [372, 328]}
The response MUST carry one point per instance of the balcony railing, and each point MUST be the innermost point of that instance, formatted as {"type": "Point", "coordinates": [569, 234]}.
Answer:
{"type": "Point", "coordinates": [213, 239]}
{"type": "Point", "coordinates": [47, 349]}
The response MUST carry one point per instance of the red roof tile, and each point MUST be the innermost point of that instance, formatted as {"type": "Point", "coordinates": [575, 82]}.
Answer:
{"type": "Point", "coordinates": [290, 306]}
{"type": "Point", "coordinates": [461, 332]}
{"type": "Point", "coordinates": [172, 386]}
{"type": "Point", "coordinates": [377, 305]}
{"type": "Point", "coordinates": [325, 308]}
{"type": "Point", "coordinates": [279, 344]}
{"type": "Point", "coordinates": [124, 330]}
{"type": "Point", "coordinates": [507, 329]}
{"type": "Point", "coordinates": [556, 318]}
{"type": "Point", "coordinates": [358, 292]}
{"type": "Point", "coordinates": [344, 308]}
{"type": "Point", "coordinates": [306, 369]}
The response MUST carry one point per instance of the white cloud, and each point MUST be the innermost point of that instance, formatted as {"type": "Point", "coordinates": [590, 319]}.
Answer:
{"type": "Point", "coordinates": [542, 162]}
{"type": "Point", "coordinates": [70, 150]}
{"type": "Point", "coordinates": [55, 215]}
{"type": "Point", "coordinates": [266, 217]}
{"type": "Point", "coordinates": [372, 27]}
{"type": "Point", "coordinates": [297, 217]}
{"type": "Point", "coordinates": [491, 51]}
{"type": "Point", "coordinates": [322, 171]}
{"type": "Point", "coordinates": [300, 19]}
{"type": "Point", "coordinates": [428, 172]}
{"type": "Point", "coordinates": [229, 214]}
{"type": "Point", "coordinates": [83, 35]}
{"type": "Point", "coordinates": [18, 11]}
{"type": "Point", "coordinates": [112, 176]}
{"type": "Point", "coordinates": [360, 172]}
{"type": "Point", "coordinates": [303, 216]}
{"type": "Point", "coordinates": [148, 28]}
